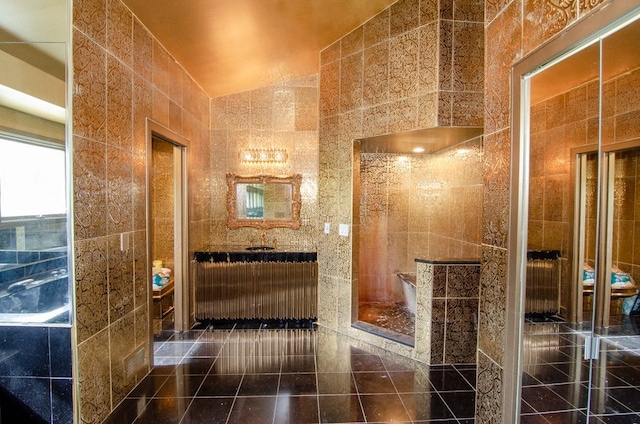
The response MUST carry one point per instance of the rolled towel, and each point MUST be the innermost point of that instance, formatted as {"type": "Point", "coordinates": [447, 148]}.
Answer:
{"type": "Point", "coordinates": [588, 275]}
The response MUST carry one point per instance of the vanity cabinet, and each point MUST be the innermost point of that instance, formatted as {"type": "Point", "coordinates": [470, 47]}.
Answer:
{"type": "Point", "coordinates": [240, 284]}
{"type": "Point", "coordinates": [163, 300]}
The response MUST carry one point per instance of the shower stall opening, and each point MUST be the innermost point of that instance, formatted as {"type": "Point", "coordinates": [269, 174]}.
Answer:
{"type": "Point", "coordinates": [410, 205]}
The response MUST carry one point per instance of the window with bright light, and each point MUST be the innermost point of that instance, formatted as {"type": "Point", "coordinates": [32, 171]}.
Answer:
{"type": "Point", "coordinates": [32, 178]}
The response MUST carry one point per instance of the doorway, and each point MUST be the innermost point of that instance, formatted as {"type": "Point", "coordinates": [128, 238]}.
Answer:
{"type": "Point", "coordinates": [575, 169]}
{"type": "Point", "coordinates": [168, 225]}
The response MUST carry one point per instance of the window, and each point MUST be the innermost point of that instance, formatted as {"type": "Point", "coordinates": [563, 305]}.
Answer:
{"type": "Point", "coordinates": [32, 177]}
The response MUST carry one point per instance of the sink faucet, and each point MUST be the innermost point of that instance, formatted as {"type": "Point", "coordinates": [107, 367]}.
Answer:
{"type": "Point", "coordinates": [262, 238]}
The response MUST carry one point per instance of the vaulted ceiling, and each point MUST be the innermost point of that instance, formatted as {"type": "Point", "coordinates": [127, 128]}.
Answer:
{"type": "Point", "coordinates": [229, 46]}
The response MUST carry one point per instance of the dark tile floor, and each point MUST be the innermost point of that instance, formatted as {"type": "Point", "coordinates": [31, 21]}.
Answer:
{"type": "Point", "coordinates": [248, 375]}
{"type": "Point", "coordinates": [556, 378]}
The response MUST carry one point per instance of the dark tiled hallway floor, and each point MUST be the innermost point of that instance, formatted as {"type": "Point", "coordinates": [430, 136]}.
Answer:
{"type": "Point", "coordinates": [556, 378]}
{"type": "Point", "coordinates": [292, 376]}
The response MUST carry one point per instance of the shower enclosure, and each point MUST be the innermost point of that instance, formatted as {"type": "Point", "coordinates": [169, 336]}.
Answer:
{"type": "Point", "coordinates": [410, 206]}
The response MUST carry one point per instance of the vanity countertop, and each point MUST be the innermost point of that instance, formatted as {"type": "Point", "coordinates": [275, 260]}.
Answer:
{"type": "Point", "coordinates": [242, 254]}
{"type": "Point", "coordinates": [450, 261]}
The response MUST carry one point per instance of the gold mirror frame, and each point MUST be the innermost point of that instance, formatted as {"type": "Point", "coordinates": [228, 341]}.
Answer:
{"type": "Point", "coordinates": [234, 222]}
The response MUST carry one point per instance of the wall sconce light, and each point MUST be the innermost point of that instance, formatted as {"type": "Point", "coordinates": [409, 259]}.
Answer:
{"type": "Point", "coordinates": [264, 156]}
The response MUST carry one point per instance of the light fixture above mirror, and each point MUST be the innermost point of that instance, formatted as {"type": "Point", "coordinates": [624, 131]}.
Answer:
{"type": "Point", "coordinates": [264, 156]}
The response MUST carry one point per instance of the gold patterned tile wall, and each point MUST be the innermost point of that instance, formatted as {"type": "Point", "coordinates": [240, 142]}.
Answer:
{"type": "Point", "coordinates": [122, 76]}
{"type": "Point", "coordinates": [162, 203]}
{"type": "Point", "coordinates": [418, 64]}
{"type": "Point", "coordinates": [282, 116]}
{"type": "Point", "coordinates": [417, 206]}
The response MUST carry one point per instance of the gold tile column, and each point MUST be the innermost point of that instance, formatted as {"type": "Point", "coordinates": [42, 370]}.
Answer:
{"type": "Point", "coordinates": [415, 65]}
{"type": "Point", "coordinates": [122, 76]}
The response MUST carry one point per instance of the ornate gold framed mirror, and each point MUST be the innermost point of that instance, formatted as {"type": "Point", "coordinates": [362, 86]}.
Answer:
{"type": "Point", "coordinates": [263, 201]}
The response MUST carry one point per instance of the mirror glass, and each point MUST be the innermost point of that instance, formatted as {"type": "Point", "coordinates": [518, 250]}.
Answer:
{"type": "Point", "coordinates": [34, 283]}
{"type": "Point", "coordinates": [581, 308]}
{"type": "Point", "coordinates": [263, 201]}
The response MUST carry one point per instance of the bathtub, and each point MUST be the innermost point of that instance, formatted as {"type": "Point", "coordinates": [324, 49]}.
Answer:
{"type": "Point", "coordinates": [409, 289]}
{"type": "Point", "coordinates": [40, 299]}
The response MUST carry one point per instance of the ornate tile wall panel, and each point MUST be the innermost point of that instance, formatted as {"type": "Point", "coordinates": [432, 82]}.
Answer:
{"type": "Point", "coordinates": [403, 65]}
{"type": "Point", "coordinates": [468, 65]}
{"type": "Point", "coordinates": [351, 82]}
{"type": "Point", "coordinates": [545, 18]}
{"type": "Point", "coordinates": [352, 42]}
{"type": "Point", "coordinates": [90, 17]}
{"type": "Point", "coordinates": [461, 332]}
{"type": "Point", "coordinates": [428, 59]}
{"type": "Point", "coordinates": [375, 120]}
{"type": "Point", "coordinates": [141, 282]}
{"type": "Point", "coordinates": [469, 10]}
{"type": "Point", "coordinates": [142, 108]}
{"type": "Point", "coordinates": [376, 68]}
{"type": "Point", "coordinates": [404, 16]}
{"type": "Point", "coordinates": [505, 33]}
{"type": "Point", "coordinates": [493, 8]}
{"type": "Point", "coordinates": [120, 31]}
{"type": "Point", "coordinates": [446, 9]}
{"type": "Point", "coordinates": [496, 169]}
{"type": "Point", "coordinates": [121, 344]}
{"type": "Point", "coordinates": [438, 318]}
{"type": "Point", "coordinates": [119, 190]}
{"type": "Point", "coordinates": [330, 89]}
{"type": "Point", "coordinates": [90, 88]}
{"type": "Point", "coordinates": [403, 115]}
{"type": "Point", "coordinates": [376, 29]}
{"type": "Point", "coordinates": [160, 107]}
{"type": "Point", "coordinates": [160, 67]}
{"type": "Point", "coordinates": [306, 108]}
{"type": "Point", "coordinates": [489, 392]}
{"type": "Point", "coordinates": [493, 289]}
{"type": "Point", "coordinates": [119, 104]}
{"type": "Point", "coordinates": [141, 50]}
{"type": "Point", "coordinates": [177, 80]}
{"type": "Point", "coordinates": [94, 377]}
{"type": "Point", "coordinates": [121, 76]}
{"type": "Point", "coordinates": [428, 11]}
{"type": "Point", "coordinates": [139, 191]}
{"type": "Point", "coordinates": [120, 268]}
{"type": "Point", "coordinates": [90, 193]}
{"type": "Point", "coordinates": [331, 53]}
{"type": "Point", "coordinates": [92, 308]}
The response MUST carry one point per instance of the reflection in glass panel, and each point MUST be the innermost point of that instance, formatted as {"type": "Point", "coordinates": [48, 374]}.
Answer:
{"type": "Point", "coordinates": [35, 169]}
{"type": "Point", "coordinates": [563, 110]}
{"type": "Point", "coordinates": [264, 201]}
{"type": "Point", "coordinates": [34, 283]}
{"type": "Point", "coordinates": [583, 165]}
{"type": "Point", "coordinates": [254, 200]}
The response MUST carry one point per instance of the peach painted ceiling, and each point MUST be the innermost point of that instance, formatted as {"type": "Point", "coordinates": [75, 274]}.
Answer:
{"type": "Point", "coordinates": [229, 46]}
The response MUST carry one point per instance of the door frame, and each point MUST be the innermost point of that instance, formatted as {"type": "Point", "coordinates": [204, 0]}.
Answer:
{"type": "Point", "coordinates": [596, 24]}
{"type": "Point", "coordinates": [182, 286]}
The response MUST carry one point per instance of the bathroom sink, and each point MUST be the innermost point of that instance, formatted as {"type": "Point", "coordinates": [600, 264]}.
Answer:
{"type": "Point", "coordinates": [260, 248]}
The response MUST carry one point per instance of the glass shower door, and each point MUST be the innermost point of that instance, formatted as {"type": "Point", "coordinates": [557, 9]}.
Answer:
{"type": "Point", "coordinates": [563, 181]}
{"type": "Point", "coordinates": [577, 170]}
{"type": "Point", "coordinates": [615, 380]}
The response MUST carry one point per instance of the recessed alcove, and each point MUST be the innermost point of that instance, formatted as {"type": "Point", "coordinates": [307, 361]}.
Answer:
{"type": "Point", "coordinates": [408, 206]}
